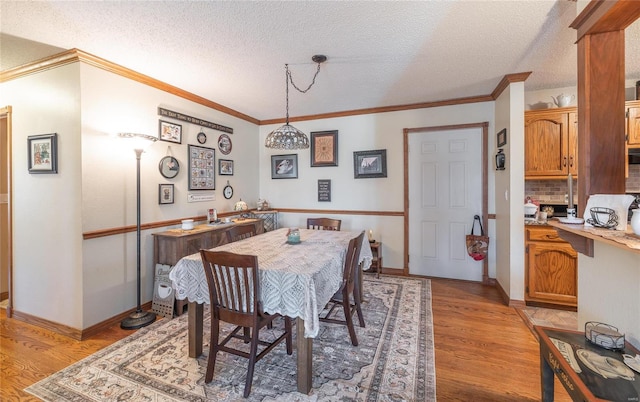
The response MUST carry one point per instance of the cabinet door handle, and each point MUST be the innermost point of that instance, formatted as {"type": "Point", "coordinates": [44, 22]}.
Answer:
{"type": "Point", "coordinates": [571, 161]}
{"type": "Point", "coordinates": [564, 161]}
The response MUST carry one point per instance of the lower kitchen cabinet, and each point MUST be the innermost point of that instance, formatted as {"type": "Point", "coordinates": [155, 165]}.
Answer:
{"type": "Point", "coordinates": [551, 269]}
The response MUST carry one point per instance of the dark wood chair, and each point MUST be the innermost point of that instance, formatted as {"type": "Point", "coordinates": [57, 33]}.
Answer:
{"type": "Point", "coordinates": [323, 223]}
{"type": "Point", "coordinates": [348, 296]}
{"type": "Point", "coordinates": [240, 232]}
{"type": "Point", "coordinates": [234, 293]}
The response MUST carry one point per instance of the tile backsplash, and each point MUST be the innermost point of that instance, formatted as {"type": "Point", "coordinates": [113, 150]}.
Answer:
{"type": "Point", "coordinates": [553, 191]}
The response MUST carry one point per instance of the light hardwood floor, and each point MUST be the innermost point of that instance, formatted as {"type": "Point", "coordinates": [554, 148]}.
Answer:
{"type": "Point", "coordinates": [483, 349]}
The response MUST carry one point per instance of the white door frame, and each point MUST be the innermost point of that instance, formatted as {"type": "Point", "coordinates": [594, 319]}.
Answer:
{"type": "Point", "coordinates": [485, 198]}
{"type": "Point", "coordinates": [6, 112]}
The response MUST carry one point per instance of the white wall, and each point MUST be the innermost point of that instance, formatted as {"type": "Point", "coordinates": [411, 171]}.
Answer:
{"type": "Point", "coordinates": [79, 282]}
{"type": "Point", "coordinates": [361, 133]}
{"type": "Point", "coordinates": [509, 193]}
{"type": "Point", "coordinates": [47, 208]}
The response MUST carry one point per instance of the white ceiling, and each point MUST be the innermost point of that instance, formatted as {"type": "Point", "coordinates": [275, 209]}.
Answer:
{"type": "Point", "coordinates": [380, 53]}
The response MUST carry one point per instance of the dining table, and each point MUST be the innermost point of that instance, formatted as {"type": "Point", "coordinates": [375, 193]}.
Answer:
{"type": "Point", "coordinates": [296, 280]}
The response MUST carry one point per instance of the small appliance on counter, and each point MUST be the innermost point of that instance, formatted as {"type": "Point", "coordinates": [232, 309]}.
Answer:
{"type": "Point", "coordinates": [530, 210]}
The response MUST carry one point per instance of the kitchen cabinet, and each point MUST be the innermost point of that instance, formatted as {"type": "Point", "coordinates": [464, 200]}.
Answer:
{"type": "Point", "coordinates": [551, 269]}
{"type": "Point", "coordinates": [551, 143]}
{"type": "Point", "coordinates": [633, 124]}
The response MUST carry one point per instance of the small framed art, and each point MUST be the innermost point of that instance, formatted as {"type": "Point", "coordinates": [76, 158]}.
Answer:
{"type": "Point", "coordinates": [202, 168]}
{"type": "Point", "coordinates": [324, 190]}
{"type": "Point", "coordinates": [169, 167]}
{"type": "Point", "coordinates": [284, 166]}
{"type": "Point", "coordinates": [170, 132]}
{"type": "Point", "coordinates": [43, 153]}
{"type": "Point", "coordinates": [165, 194]}
{"type": "Point", "coordinates": [225, 167]}
{"type": "Point", "coordinates": [324, 148]}
{"type": "Point", "coordinates": [501, 138]}
{"type": "Point", "coordinates": [370, 164]}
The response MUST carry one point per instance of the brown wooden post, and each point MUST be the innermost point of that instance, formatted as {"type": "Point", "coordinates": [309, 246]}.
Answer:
{"type": "Point", "coordinates": [601, 69]}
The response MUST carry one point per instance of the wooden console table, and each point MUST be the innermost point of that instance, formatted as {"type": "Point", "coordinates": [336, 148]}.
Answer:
{"type": "Point", "coordinates": [173, 244]}
{"type": "Point", "coordinates": [613, 381]}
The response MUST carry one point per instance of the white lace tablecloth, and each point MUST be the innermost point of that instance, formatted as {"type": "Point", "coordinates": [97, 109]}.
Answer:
{"type": "Point", "coordinates": [295, 280]}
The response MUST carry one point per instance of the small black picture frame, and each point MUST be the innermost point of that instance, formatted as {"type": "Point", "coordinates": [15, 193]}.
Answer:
{"type": "Point", "coordinates": [170, 132]}
{"type": "Point", "coordinates": [324, 190]}
{"type": "Point", "coordinates": [284, 166]}
{"type": "Point", "coordinates": [43, 153]}
{"type": "Point", "coordinates": [370, 164]}
{"type": "Point", "coordinates": [225, 167]}
{"type": "Point", "coordinates": [165, 194]}
{"type": "Point", "coordinates": [501, 138]}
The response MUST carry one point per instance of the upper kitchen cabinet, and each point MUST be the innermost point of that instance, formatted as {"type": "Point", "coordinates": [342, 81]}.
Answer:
{"type": "Point", "coordinates": [633, 123]}
{"type": "Point", "coordinates": [550, 143]}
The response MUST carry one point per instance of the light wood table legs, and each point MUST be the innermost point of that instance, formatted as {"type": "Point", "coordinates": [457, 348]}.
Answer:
{"type": "Point", "coordinates": [304, 356]}
{"type": "Point", "coordinates": [196, 311]}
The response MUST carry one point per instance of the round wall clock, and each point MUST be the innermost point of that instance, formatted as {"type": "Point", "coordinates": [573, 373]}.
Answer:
{"type": "Point", "coordinates": [224, 144]}
{"type": "Point", "coordinates": [228, 191]}
{"type": "Point", "coordinates": [169, 167]}
{"type": "Point", "coordinates": [202, 137]}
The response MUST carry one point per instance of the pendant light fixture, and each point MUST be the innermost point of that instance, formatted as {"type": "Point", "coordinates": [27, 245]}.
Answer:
{"type": "Point", "coordinates": [287, 136]}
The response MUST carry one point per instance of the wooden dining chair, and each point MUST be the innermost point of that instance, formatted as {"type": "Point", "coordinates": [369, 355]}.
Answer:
{"type": "Point", "coordinates": [240, 232]}
{"type": "Point", "coordinates": [234, 293]}
{"type": "Point", "coordinates": [323, 223]}
{"type": "Point", "coordinates": [348, 296]}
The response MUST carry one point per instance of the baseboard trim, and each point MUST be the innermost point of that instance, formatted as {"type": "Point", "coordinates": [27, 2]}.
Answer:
{"type": "Point", "coordinates": [70, 332]}
{"type": "Point", "coordinates": [518, 304]}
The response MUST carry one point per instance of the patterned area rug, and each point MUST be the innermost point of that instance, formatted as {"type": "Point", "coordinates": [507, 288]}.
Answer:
{"type": "Point", "coordinates": [394, 361]}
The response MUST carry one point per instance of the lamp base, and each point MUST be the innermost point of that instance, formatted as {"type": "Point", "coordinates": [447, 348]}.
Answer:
{"type": "Point", "coordinates": [138, 319]}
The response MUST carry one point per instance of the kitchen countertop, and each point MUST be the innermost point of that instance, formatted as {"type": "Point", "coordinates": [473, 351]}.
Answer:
{"type": "Point", "coordinates": [626, 240]}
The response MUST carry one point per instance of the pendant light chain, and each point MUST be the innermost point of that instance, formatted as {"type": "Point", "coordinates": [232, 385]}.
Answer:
{"type": "Point", "coordinates": [310, 85]}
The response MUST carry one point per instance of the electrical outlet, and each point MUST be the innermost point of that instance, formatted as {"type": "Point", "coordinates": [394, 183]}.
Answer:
{"type": "Point", "coordinates": [566, 198]}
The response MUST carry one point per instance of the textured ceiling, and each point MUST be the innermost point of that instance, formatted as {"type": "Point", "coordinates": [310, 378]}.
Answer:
{"type": "Point", "coordinates": [380, 53]}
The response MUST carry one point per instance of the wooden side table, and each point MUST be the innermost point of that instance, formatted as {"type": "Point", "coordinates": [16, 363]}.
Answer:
{"type": "Point", "coordinates": [568, 355]}
{"type": "Point", "coordinates": [376, 262]}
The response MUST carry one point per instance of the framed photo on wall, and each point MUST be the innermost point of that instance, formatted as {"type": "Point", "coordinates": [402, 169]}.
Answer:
{"type": "Point", "coordinates": [370, 164]}
{"type": "Point", "coordinates": [324, 148]}
{"type": "Point", "coordinates": [170, 132]}
{"type": "Point", "coordinates": [225, 167]}
{"type": "Point", "coordinates": [43, 153]}
{"type": "Point", "coordinates": [284, 166]}
{"type": "Point", "coordinates": [202, 168]}
{"type": "Point", "coordinates": [165, 194]}
{"type": "Point", "coordinates": [501, 138]}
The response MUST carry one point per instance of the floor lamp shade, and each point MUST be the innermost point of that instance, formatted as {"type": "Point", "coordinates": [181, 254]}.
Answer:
{"type": "Point", "coordinates": [138, 318]}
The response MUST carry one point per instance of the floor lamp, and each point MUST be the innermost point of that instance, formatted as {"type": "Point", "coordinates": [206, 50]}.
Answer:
{"type": "Point", "coordinates": [139, 318]}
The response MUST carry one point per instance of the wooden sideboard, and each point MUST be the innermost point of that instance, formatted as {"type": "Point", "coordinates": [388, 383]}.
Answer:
{"type": "Point", "coordinates": [173, 244]}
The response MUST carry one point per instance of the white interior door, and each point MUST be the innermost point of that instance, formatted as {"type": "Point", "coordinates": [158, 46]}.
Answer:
{"type": "Point", "coordinates": [445, 192]}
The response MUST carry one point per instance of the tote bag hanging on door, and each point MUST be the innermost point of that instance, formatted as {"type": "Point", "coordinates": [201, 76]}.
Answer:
{"type": "Point", "coordinates": [477, 245]}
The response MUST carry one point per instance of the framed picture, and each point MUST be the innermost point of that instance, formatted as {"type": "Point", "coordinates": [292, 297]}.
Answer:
{"type": "Point", "coordinates": [324, 190]}
{"type": "Point", "coordinates": [502, 138]}
{"type": "Point", "coordinates": [165, 194]}
{"type": "Point", "coordinates": [202, 168]}
{"type": "Point", "coordinates": [169, 167]}
{"type": "Point", "coordinates": [225, 167]}
{"type": "Point", "coordinates": [370, 164]}
{"type": "Point", "coordinates": [284, 166]}
{"type": "Point", "coordinates": [324, 148]}
{"type": "Point", "coordinates": [224, 144]}
{"type": "Point", "coordinates": [170, 132]}
{"type": "Point", "coordinates": [43, 153]}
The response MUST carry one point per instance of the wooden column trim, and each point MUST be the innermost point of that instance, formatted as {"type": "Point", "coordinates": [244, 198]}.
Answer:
{"type": "Point", "coordinates": [601, 142]}
{"type": "Point", "coordinates": [606, 16]}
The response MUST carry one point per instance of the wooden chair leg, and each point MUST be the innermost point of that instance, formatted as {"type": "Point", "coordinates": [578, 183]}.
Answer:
{"type": "Point", "coordinates": [252, 363]}
{"type": "Point", "coordinates": [289, 340]}
{"type": "Point", "coordinates": [213, 350]}
{"type": "Point", "coordinates": [356, 302]}
{"type": "Point", "coordinates": [347, 315]}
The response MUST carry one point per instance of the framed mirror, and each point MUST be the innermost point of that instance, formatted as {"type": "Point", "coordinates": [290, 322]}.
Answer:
{"type": "Point", "coordinates": [169, 167]}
